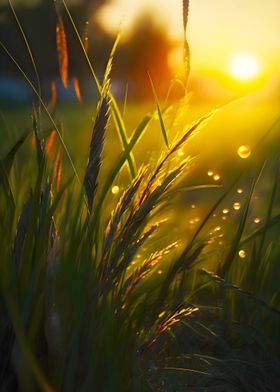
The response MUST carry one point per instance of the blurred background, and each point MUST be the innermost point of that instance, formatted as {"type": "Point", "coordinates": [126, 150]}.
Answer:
{"type": "Point", "coordinates": [235, 47]}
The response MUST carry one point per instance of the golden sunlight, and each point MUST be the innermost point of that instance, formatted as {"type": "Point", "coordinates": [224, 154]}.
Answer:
{"type": "Point", "coordinates": [244, 67]}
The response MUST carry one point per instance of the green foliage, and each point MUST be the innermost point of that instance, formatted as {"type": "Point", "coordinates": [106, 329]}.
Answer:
{"type": "Point", "coordinates": [93, 297]}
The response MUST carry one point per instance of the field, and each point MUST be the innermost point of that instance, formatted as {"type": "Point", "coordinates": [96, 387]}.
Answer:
{"type": "Point", "coordinates": [140, 244]}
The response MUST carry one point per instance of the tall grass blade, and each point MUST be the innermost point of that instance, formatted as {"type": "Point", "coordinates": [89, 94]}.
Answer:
{"type": "Point", "coordinates": [8, 160]}
{"type": "Point", "coordinates": [21, 230]}
{"type": "Point", "coordinates": [27, 47]}
{"type": "Point", "coordinates": [269, 210]}
{"type": "Point", "coordinates": [236, 241]}
{"type": "Point", "coordinates": [228, 285]}
{"type": "Point", "coordinates": [162, 125]}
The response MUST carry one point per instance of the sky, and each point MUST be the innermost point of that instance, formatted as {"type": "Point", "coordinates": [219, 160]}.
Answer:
{"type": "Point", "coordinates": [218, 29]}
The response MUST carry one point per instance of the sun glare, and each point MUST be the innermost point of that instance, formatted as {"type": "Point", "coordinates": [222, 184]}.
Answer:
{"type": "Point", "coordinates": [244, 67]}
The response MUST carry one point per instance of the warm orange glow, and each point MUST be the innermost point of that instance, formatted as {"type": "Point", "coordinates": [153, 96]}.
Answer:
{"type": "Point", "coordinates": [212, 31]}
{"type": "Point", "coordinates": [244, 67]}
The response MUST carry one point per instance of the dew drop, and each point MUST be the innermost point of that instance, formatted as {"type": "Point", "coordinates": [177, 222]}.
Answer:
{"type": "Point", "coordinates": [180, 153]}
{"type": "Point", "coordinates": [115, 189]}
{"type": "Point", "coordinates": [257, 220]}
{"type": "Point", "coordinates": [193, 206]}
{"type": "Point", "coordinates": [242, 254]}
{"type": "Point", "coordinates": [210, 173]}
{"type": "Point", "coordinates": [216, 177]}
{"type": "Point", "coordinates": [225, 211]}
{"type": "Point", "coordinates": [244, 152]}
{"type": "Point", "coordinates": [218, 228]}
{"type": "Point", "coordinates": [236, 206]}
{"type": "Point", "coordinates": [224, 218]}
{"type": "Point", "coordinates": [239, 190]}
{"type": "Point", "coordinates": [159, 272]}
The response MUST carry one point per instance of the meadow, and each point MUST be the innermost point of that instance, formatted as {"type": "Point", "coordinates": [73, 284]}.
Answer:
{"type": "Point", "coordinates": [140, 245]}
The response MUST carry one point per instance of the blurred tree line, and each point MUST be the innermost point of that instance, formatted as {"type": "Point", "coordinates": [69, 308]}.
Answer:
{"type": "Point", "coordinates": [145, 51]}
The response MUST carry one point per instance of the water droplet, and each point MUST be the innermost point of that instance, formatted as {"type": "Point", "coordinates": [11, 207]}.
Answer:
{"type": "Point", "coordinates": [191, 222]}
{"type": "Point", "coordinates": [115, 189]}
{"type": "Point", "coordinates": [210, 173]}
{"type": "Point", "coordinates": [225, 211]}
{"type": "Point", "coordinates": [193, 206]}
{"type": "Point", "coordinates": [159, 272]}
{"type": "Point", "coordinates": [242, 254]}
{"type": "Point", "coordinates": [221, 243]}
{"type": "Point", "coordinates": [218, 228]}
{"type": "Point", "coordinates": [196, 219]}
{"type": "Point", "coordinates": [236, 206]}
{"type": "Point", "coordinates": [180, 153]}
{"type": "Point", "coordinates": [244, 152]}
{"type": "Point", "coordinates": [257, 220]}
{"type": "Point", "coordinates": [216, 177]}
{"type": "Point", "coordinates": [239, 190]}
{"type": "Point", "coordinates": [224, 218]}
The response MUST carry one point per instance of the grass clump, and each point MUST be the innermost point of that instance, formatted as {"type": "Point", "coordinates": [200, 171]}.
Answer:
{"type": "Point", "coordinates": [92, 295]}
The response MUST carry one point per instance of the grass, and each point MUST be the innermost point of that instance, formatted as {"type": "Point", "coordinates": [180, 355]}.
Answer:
{"type": "Point", "coordinates": [142, 289]}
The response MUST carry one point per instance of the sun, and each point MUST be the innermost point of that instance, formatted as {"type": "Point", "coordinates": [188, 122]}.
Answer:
{"type": "Point", "coordinates": [244, 67]}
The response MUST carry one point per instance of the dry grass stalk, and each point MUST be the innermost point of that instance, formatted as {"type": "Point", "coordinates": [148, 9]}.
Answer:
{"type": "Point", "coordinates": [186, 4]}
{"type": "Point", "coordinates": [57, 169]}
{"type": "Point", "coordinates": [54, 94]}
{"type": "Point", "coordinates": [144, 269]}
{"type": "Point", "coordinates": [96, 149]}
{"type": "Point", "coordinates": [61, 45]}
{"type": "Point", "coordinates": [163, 326]}
{"type": "Point", "coordinates": [50, 142]}
{"type": "Point", "coordinates": [77, 89]}
{"type": "Point", "coordinates": [190, 131]}
{"type": "Point", "coordinates": [137, 218]}
{"type": "Point", "coordinates": [122, 206]}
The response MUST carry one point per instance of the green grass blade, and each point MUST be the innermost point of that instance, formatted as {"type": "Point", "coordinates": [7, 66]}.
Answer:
{"type": "Point", "coordinates": [8, 160]}
{"type": "Point", "coordinates": [27, 46]}
{"type": "Point", "coordinates": [269, 210]}
{"type": "Point", "coordinates": [236, 241]}
{"type": "Point", "coordinates": [161, 121]}
{"type": "Point", "coordinates": [228, 285]}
